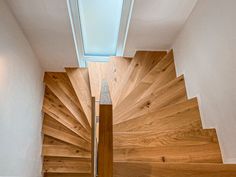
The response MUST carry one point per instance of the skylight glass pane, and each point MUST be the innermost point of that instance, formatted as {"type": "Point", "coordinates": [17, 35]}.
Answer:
{"type": "Point", "coordinates": [100, 22]}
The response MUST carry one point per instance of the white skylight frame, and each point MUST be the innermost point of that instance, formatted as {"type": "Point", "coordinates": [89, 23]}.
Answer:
{"type": "Point", "coordinates": [73, 9]}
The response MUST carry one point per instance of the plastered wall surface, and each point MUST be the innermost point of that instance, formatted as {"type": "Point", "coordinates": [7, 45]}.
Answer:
{"type": "Point", "coordinates": [205, 52]}
{"type": "Point", "coordinates": [21, 91]}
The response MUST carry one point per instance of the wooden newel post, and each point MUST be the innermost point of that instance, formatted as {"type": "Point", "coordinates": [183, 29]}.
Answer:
{"type": "Point", "coordinates": [93, 140]}
{"type": "Point", "coordinates": [105, 145]}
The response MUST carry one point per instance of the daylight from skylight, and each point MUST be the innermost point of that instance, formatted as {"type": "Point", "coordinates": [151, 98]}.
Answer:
{"type": "Point", "coordinates": [100, 24]}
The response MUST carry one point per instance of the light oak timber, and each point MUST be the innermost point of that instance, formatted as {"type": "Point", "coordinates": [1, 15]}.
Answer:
{"type": "Point", "coordinates": [56, 110]}
{"type": "Point", "coordinates": [93, 139]}
{"type": "Point", "coordinates": [175, 137]}
{"type": "Point", "coordinates": [97, 72]}
{"type": "Point", "coordinates": [63, 136]}
{"type": "Point", "coordinates": [67, 175]}
{"type": "Point", "coordinates": [202, 153]}
{"type": "Point", "coordinates": [117, 66]}
{"type": "Point", "coordinates": [82, 89]}
{"type": "Point", "coordinates": [48, 121]}
{"type": "Point", "coordinates": [141, 64]}
{"type": "Point", "coordinates": [69, 103]}
{"type": "Point", "coordinates": [105, 145]}
{"type": "Point", "coordinates": [145, 169]}
{"type": "Point", "coordinates": [111, 71]}
{"type": "Point", "coordinates": [65, 165]}
{"type": "Point", "coordinates": [69, 123]}
{"type": "Point", "coordinates": [176, 116]}
{"type": "Point", "coordinates": [55, 147]}
{"type": "Point", "coordinates": [171, 93]}
{"type": "Point", "coordinates": [65, 151]}
{"type": "Point", "coordinates": [161, 74]}
{"type": "Point", "coordinates": [64, 83]}
{"type": "Point", "coordinates": [47, 140]}
{"type": "Point", "coordinates": [85, 74]}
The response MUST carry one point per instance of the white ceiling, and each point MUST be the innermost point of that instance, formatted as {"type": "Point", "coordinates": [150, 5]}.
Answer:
{"type": "Point", "coordinates": [154, 26]}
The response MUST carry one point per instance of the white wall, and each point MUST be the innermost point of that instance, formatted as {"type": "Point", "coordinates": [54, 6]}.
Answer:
{"type": "Point", "coordinates": [205, 51]}
{"type": "Point", "coordinates": [155, 24]}
{"type": "Point", "coordinates": [21, 92]}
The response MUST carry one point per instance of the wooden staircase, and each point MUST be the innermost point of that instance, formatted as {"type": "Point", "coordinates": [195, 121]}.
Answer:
{"type": "Point", "coordinates": [157, 130]}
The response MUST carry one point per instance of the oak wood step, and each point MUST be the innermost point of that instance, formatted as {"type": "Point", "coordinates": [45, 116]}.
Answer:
{"type": "Point", "coordinates": [67, 175]}
{"type": "Point", "coordinates": [117, 66]}
{"type": "Point", "coordinates": [177, 137]}
{"type": "Point", "coordinates": [200, 153]}
{"type": "Point", "coordinates": [161, 74]}
{"type": "Point", "coordinates": [79, 79]}
{"type": "Point", "coordinates": [65, 165]}
{"type": "Point", "coordinates": [66, 137]}
{"type": "Point", "coordinates": [140, 65]}
{"type": "Point", "coordinates": [53, 107]}
{"type": "Point", "coordinates": [111, 71]}
{"type": "Point", "coordinates": [183, 115]}
{"type": "Point", "coordinates": [61, 87]}
{"type": "Point", "coordinates": [48, 140]}
{"type": "Point", "coordinates": [131, 169]}
{"type": "Point", "coordinates": [64, 151]}
{"type": "Point", "coordinates": [97, 71]}
{"type": "Point", "coordinates": [171, 93]}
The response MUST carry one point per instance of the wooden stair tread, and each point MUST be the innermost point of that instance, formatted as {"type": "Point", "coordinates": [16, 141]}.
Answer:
{"type": "Point", "coordinates": [81, 85]}
{"type": "Point", "coordinates": [171, 93]}
{"type": "Point", "coordinates": [176, 116]}
{"type": "Point", "coordinates": [130, 169]}
{"type": "Point", "coordinates": [67, 175]}
{"type": "Point", "coordinates": [140, 65]}
{"type": "Point", "coordinates": [161, 74]}
{"type": "Point", "coordinates": [53, 107]}
{"type": "Point", "coordinates": [202, 153]}
{"type": "Point", "coordinates": [187, 137]}
{"type": "Point", "coordinates": [66, 137]}
{"type": "Point", "coordinates": [112, 71]}
{"type": "Point", "coordinates": [97, 72]}
{"type": "Point", "coordinates": [64, 151]}
{"type": "Point", "coordinates": [116, 69]}
{"type": "Point", "coordinates": [65, 165]}
{"type": "Point", "coordinates": [50, 122]}
{"type": "Point", "coordinates": [48, 140]}
{"type": "Point", "coordinates": [57, 84]}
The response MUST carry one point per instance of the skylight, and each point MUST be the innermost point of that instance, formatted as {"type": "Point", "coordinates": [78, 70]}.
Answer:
{"type": "Point", "coordinates": [99, 28]}
{"type": "Point", "coordinates": [100, 22]}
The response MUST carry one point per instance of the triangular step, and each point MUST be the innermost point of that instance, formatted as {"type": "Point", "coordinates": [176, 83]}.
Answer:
{"type": "Point", "coordinates": [60, 85]}
{"type": "Point", "coordinates": [112, 71]}
{"type": "Point", "coordinates": [97, 71]}
{"type": "Point", "coordinates": [161, 74]}
{"type": "Point", "coordinates": [171, 93]}
{"type": "Point", "coordinates": [116, 72]}
{"type": "Point", "coordinates": [145, 169]}
{"type": "Point", "coordinates": [140, 65]}
{"type": "Point", "coordinates": [58, 131]}
{"type": "Point", "coordinates": [66, 165]}
{"type": "Point", "coordinates": [80, 81]}
{"type": "Point", "coordinates": [177, 116]}
{"type": "Point", "coordinates": [53, 107]}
